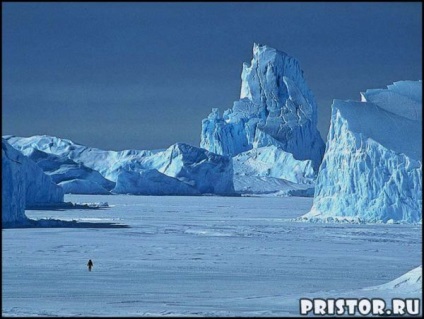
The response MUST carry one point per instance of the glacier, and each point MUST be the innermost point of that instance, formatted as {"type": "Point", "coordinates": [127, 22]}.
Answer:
{"type": "Point", "coordinates": [372, 167]}
{"type": "Point", "coordinates": [24, 184]}
{"type": "Point", "coordinates": [276, 108]}
{"type": "Point", "coordinates": [191, 170]}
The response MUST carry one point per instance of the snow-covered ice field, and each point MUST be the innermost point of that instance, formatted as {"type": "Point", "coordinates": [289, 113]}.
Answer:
{"type": "Point", "coordinates": [197, 256]}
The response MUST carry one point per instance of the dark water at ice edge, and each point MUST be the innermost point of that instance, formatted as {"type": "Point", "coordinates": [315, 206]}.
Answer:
{"type": "Point", "coordinates": [56, 223]}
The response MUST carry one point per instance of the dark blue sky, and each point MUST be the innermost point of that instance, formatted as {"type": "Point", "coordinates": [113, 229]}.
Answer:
{"type": "Point", "coordinates": [144, 75]}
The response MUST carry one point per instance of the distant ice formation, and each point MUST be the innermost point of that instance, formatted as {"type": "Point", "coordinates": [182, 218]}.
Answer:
{"type": "Point", "coordinates": [81, 169]}
{"type": "Point", "coordinates": [372, 167]}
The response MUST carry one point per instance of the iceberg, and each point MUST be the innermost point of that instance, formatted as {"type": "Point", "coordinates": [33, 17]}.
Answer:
{"type": "Point", "coordinates": [23, 184]}
{"type": "Point", "coordinates": [71, 164]}
{"type": "Point", "coordinates": [372, 167]}
{"type": "Point", "coordinates": [276, 108]}
{"type": "Point", "coordinates": [271, 133]}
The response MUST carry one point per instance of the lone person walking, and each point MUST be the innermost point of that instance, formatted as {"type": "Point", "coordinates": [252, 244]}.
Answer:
{"type": "Point", "coordinates": [90, 264]}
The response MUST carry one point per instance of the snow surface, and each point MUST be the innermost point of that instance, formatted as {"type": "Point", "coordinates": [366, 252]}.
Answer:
{"type": "Point", "coordinates": [23, 184]}
{"type": "Point", "coordinates": [199, 256]}
{"type": "Point", "coordinates": [201, 171]}
{"type": "Point", "coordinates": [276, 107]}
{"type": "Point", "coordinates": [372, 167]}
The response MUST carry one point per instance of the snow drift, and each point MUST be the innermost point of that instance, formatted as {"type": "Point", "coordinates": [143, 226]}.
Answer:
{"type": "Point", "coordinates": [372, 167]}
{"type": "Point", "coordinates": [408, 283]}
{"type": "Point", "coordinates": [276, 107]}
{"type": "Point", "coordinates": [23, 184]}
{"type": "Point", "coordinates": [191, 170]}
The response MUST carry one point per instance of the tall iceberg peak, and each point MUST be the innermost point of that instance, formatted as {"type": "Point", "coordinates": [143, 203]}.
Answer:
{"type": "Point", "coordinates": [372, 167]}
{"type": "Point", "coordinates": [276, 107]}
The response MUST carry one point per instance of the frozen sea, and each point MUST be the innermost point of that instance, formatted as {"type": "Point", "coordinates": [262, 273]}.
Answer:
{"type": "Point", "coordinates": [196, 256]}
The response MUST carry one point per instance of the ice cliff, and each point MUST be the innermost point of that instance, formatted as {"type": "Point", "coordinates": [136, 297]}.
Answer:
{"type": "Point", "coordinates": [13, 185]}
{"type": "Point", "coordinates": [276, 108]}
{"type": "Point", "coordinates": [191, 170]}
{"type": "Point", "coordinates": [23, 184]}
{"type": "Point", "coordinates": [372, 167]}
